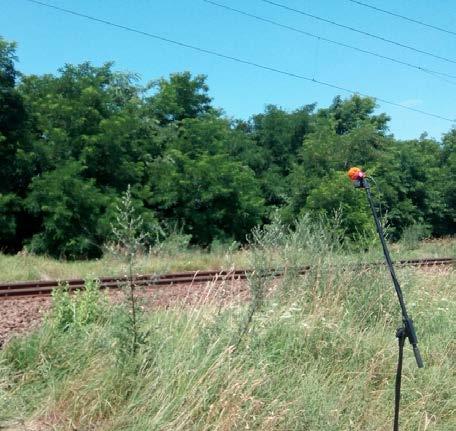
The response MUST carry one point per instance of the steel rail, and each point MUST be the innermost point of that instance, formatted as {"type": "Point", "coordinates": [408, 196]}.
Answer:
{"type": "Point", "coordinates": [45, 287]}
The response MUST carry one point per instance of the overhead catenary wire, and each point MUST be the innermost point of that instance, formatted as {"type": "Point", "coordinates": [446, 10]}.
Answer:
{"type": "Point", "coordinates": [431, 72]}
{"type": "Point", "coordinates": [406, 18]}
{"type": "Point", "coordinates": [356, 30]}
{"type": "Point", "coordinates": [235, 59]}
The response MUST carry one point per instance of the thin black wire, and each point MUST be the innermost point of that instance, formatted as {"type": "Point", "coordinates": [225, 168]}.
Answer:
{"type": "Point", "coordinates": [306, 33]}
{"type": "Point", "coordinates": [317, 54]}
{"type": "Point", "coordinates": [347, 27]}
{"type": "Point", "coordinates": [236, 59]}
{"type": "Point", "coordinates": [397, 15]}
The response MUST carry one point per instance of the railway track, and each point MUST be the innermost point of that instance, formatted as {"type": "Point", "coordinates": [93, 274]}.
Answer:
{"type": "Point", "coordinates": [45, 287]}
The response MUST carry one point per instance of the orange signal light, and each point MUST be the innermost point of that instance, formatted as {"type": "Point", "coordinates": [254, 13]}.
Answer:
{"type": "Point", "coordinates": [355, 174]}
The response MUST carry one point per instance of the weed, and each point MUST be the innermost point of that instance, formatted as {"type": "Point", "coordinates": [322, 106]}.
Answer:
{"type": "Point", "coordinates": [319, 353]}
{"type": "Point", "coordinates": [80, 309]}
{"type": "Point", "coordinates": [128, 231]}
{"type": "Point", "coordinates": [413, 234]}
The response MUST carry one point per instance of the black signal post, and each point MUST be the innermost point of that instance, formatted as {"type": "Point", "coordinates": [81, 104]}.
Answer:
{"type": "Point", "coordinates": [407, 330]}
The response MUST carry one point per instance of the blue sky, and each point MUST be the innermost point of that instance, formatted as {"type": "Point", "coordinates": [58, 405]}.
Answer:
{"type": "Point", "coordinates": [47, 39]}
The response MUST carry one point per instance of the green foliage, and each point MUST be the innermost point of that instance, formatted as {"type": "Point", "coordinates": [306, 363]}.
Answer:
{"type": "Point", "coordinates": [281, 133]}
{"type": "Point", "coordinates": [351, 114]}
{"type": "Point", "coordinates": [335, 195]}
{"type": "Point", "coordinates": [413, 234]}
{"type": "Point", "coordinates": [448, 188]}
{"type": "Point", "coordinates": [215, 196]}
{"type": "Point", "coordinates": [15, 154]}
{"type": "Point", "coordinates": [78, 310]}
{"type": "Point", "coordinates": [8, 73]}
{"type": "Point", "coordinates": [410, 176]}
{"type": "Point", "coordinates": [9, 204]}
{"type": "Point", "coordinates": [130, 238]}
{"type": "Point", "coordinates": [174, 241]}
{"type": "Point", "coordinates": [179, 98]}
{"type": "Point", "coordinates": [72, 142]}
{"type": "Point", "coordinates": [319, 354]}
{"type": "Point", "coordinates": [278, 136]}
{"type": "Point", "coordinates": [69, 207]}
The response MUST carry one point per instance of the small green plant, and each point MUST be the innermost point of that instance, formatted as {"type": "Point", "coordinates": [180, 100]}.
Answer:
{"type": "Point", "coordinates": [413, 234]}
{"type": "Point", "coordinates": [80, 309]}
{"type": "Point", "coordinates": [227, 246]}
{"type": "Point", "coordinates": [130, 237]}
{"type": "Point", "coordinates": [172, 241]}
{"type": "Point", "coordinates": [263, 242]}
{"type": "Point", "coordinates": [280, 248]}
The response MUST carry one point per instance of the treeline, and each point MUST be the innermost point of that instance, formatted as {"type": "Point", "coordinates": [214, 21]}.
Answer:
{"type": "Point", "coordinates": [71, 144]}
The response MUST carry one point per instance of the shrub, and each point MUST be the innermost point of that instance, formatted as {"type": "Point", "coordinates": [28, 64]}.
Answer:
{"type": "Point", "coordinates": [81, 309]}
{"type": "Point", "coordinates": [414, 233]}
{"type": "Point", "coordinates": [69, 207]}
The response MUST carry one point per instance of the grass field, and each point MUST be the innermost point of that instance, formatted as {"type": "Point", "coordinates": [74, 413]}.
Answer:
{"type": "Point", "coordinates": [313, 352]}
{"type": "Point", "coordinates": [30, 267]}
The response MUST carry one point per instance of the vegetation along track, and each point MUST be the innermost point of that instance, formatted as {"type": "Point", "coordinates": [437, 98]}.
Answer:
{"type": "Point", "coordinates": [45, 287]}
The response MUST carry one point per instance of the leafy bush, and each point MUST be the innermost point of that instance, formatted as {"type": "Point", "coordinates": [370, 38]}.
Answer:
{"type": "Point", "coordinates": [173, 241]}
{"type": "Point", "coordinates": [414, 233]}
{"type": "Point", "coordinates": [80, 309]}
{"type": "Point", "coordinates": [69, 207]}
{"type": "Point", "coordinates": [224, 246]}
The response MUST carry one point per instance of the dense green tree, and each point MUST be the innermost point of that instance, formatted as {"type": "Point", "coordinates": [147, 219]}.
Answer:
{"type": "Point", "coordinates": [352, 113]}
{"type": "Point", "coordinates": [90, 114]}
{"type": "Point", "coordinates": [12, 118]}
{"type": "Point", "coordinates": [279, 135]}
{"type": "Point", "coordinates": [318, 179]}
{"type": "Point", "coordinates": [69, 207]}
{"type": "Point", "coordinates": [16, 165]}
{"type": "Point", "coordinates": [8, 72]}
{"type": "Point", "coordinates": [335, 196]}
{"type": "Point", "coordinates": [409, 177]}
{"type": "Point", "coordinates": [72, 142]}
{"type": "Point", "coordinates": [242, 146]}
{"type": "Point", "coordinates": [10, 204]}
{"type": "Point", "coordinates": [445, 177]}
{"type": "Point", "coordinates": [212, 196]}
{"type": "Point", "coordinates": [179, 97]}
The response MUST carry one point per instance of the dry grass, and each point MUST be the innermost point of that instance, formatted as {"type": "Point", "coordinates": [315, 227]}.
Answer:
{"type": "Point", "coordinates": [319, 354]}
{"type": "Point", "coordinates": [29, 267]}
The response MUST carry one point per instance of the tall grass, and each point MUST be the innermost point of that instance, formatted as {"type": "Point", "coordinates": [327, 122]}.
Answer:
{"type": "Point", "coordinates": [318, 353]}
{"type": "Point", "coordinates": [30, 267]}
{"type": "Point", "coordinates": [25, 266]}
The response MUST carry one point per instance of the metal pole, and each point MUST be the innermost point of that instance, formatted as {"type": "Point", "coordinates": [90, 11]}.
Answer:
{"type": "Point", "coordinates": [408, 323]}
